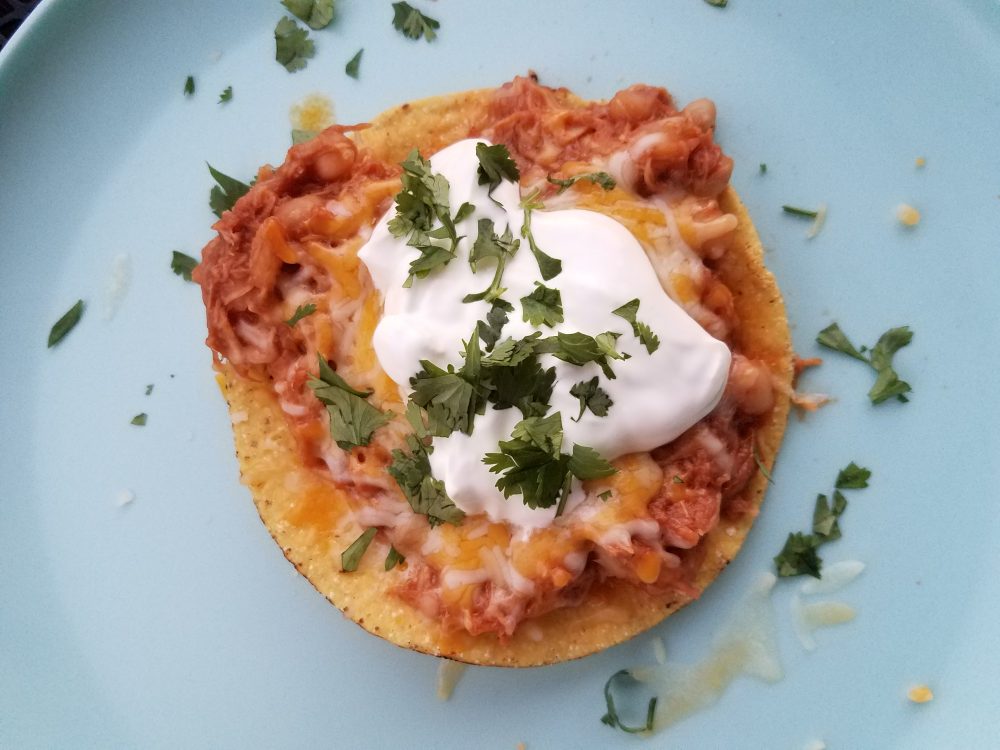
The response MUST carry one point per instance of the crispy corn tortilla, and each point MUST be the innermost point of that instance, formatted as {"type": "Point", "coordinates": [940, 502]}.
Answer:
{"type": "Point", "coordinates": [308, 517]}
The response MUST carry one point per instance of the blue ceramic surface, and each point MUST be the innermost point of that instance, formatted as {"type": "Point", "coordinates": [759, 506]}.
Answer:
{"type": "Point", "coordinates": [175, 622]}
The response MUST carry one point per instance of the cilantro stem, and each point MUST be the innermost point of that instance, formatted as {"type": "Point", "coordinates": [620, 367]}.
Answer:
{"type": "Point", "coordinates": [796, 211]}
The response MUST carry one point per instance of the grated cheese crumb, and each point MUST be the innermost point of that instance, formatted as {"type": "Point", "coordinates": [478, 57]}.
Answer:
{"type": "Point", "coordinates": [815, 745]}
{"type": "Point", "coordinates": [124, 497]}
{"type": "Point", "coordinates": [520, 746]}
{"type": "Point", "coordinates": [920, 694]}
{"type": "Point", "coordinates": [921, 162]}
{"type": "Point", "coordinates": [448, 675]}
{"type": "Point", "coordinates": [818, 222]}
{"type": "Point", "coordinates": [908, 216]}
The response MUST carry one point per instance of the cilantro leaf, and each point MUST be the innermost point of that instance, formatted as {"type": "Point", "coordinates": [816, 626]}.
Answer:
{"type": "Point", "coordinates": [316, 13]}
{"type": "Point", "coordinates": [292, 45]}
{"type": "Point", "coordinates": [226, 95]}
{"type": "Point", "coordinates": [149, 389]}
{"type": "Point", "coordinates": [579, 349]}
{"type": "Point", "coordinates": [531, 463]}
{"type": "Point", "coordinates": [352, 419]}
{"type": "Point", "coordinates": [763, 168]}
{"type": "Point", "coordinates": [139, 420]}
{"type": "Point", "coordinates": [799, 556]}
{"type": "Point", "coordinates": [887, 382]}
{"type": "Point", "coordinates": [301, 312]}
{"type": "Point", "coordinates": [611, 717]}
{"type": "Point", "coordinates": [225, 192]}
{"type": "Point", "coordinates": [642, 331]}
{"type": "Point", "coordinates": [302, 136]}
{"type": "Point", "coordinates": [451, 398]}
{"type": "Point", "coordinates": [65, 324]}
{"type": "Point", "coordinates": [606, 181]}
{"type": "Point", "coordinates": [413, 24]}
{"type": "Point", "coordinates": [412, 472]}
{"type": "Point", "coordinates": [718, 3]}
{"type": "Point", "coordinates": [605, 495]}
{"type": "Point", "coordinates": [510, 352]}
{"type": "Point", "coordinates": [760, 465]}
{"type": "Point", "coordinates": [182, 265]}
{"type": "Point", "coordinates": [353, 67]}
{"type": "Point", "coordinates": [825, 523]}
{"type": "Point", "coordinates": [189, 86]}
{"type": "Point", "coordinates": [548, 266]}
{"type": "Point", "coordinates": [833, 338]}
{"type": "Point", "coordinates": [586, 464]}
{"type": "Point", "coordinates": [489, 245]}
{"type": "Point", "coordinates": [393, 558]}
{"type": "Point", "coordinates": [496, 319]}
{"type": "Point", "coordinates": [592, 397]}
{"type": "Point", "coordinates": [526, 387]}
{"type": "Point", "coordinates": [543, 306]}
{"type": "Point", "coordinates": [803, 212]}
{"type": "Point", "coordinates": [351, 557]}
{"type": "Point", "coordinates": [853, 477]}
{"type": "Point", "coordinates": [495, 165]}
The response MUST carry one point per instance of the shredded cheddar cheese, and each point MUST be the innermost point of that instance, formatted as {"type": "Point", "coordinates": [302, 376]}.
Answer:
{"type": "Point", "coordinates": [908, 216]}
{"type": "Point", "coordinates": [920, 694]}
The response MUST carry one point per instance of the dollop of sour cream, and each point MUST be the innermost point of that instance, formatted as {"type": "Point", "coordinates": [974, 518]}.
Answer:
{"type": "Point", "coordinates": [656, 396]}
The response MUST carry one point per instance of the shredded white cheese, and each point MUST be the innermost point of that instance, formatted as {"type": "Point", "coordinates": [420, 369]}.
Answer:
{"type": "Point", "coordinates": [449, 673]}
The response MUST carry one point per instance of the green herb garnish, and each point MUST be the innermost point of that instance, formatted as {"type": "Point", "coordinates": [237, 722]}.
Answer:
{"type": "Point", "coordinates": [182, 265]}
{"type": "Point", "coordinates": [718, 3]}
{"type": "Point", "coordinates": [451, 397]}
{"type": "Point", "coordinates": [495, 166]}
{"type": "Point", "coordinates": [226, 95]}
{"type": "Point", "coordinates": [763, 168]}
{"type": "Point", "coordinates": [393, 558]}
{"type": "Point", "coordinates": [803, 212]}
{"type": "Point", "coordinates": [292, 45]}
{"type": "Point", "coordinates": [351, 557]}
{"type": "Point", "coordinates": [353, 67]}
{"type": "Point", "coordinates": [887, 382]}
{"type": "Point", "coordinates": [413, 24]}
{"type": "Point", "coordinates": [853, 477]}
{"type": "Point", "coordinates": [65, 324]}
{"type": "Point", "coordinates": [604, 495]}
{"type": "Point", "coordinates": [139, 420]}
{"type": "Point", "coordinates": [611, 717]}
{"type": "Point", "coordinates": [189, 86]}
{"type": "Point", "coordinates": [489, 245]}
{"type": "Point", "coordinates": [352, 418]}
{"type": "Point", "coordinates": [149, 389]}
{"type": "Point", "coordinates": [642, 331]}
{"type": "Point", "coordinates": [225, 193]}
{"type": "Point", "coordinates": [800, 554]}
{"type": "Point", "coordinates": [760, 465]}
{"type": "Point", "coordinates": [496, 319]}
{"type": "Point", "coordinates": [677, 479]}
{"type": "Point", "coordinates": [579, 349]}
{"type": "Point", "coordinates": [603, 179]}
{"type": "Point", "coordinates": [301, 312]}
{"type": "Point", "coordinates": [592, 397]}
{"type": "Point", "coordinates": [548, 266]}
{"type": "Point", "coordinates": [543, 306]}
{"type": "Point", "coordinates": [316, 13]}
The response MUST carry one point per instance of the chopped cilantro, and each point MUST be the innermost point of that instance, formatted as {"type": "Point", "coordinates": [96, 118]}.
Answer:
{"type": "Point", "coordinates": [611, 717]}
{"type": "Point", "coordinates": [718, 3]}
{"type": "Point", "coordinates": [642, 331]}
{"type": "Point", "coordinates": [292, 45]}
{"type": "Point", "coordinates": [543, 306]}
{"type": "Point", "coordinates": [879, 358]}
{"type": "Point", "coordinates": [799, 556]}
{"type": "Point", "coordinates": [189, 86]}
{"type": "Point", "coordinates": [760, 465]}
{"type": "Point", "coordinates": [139, 420]}
{"type": "Point", "coordinates": [604, 495]}
{"type": "Point", "coordinates": [451, 398]}
{"type": "Point", "coordinates": [592, 397]}
{"type": "Point", "coordinates": [352, 418]}
{"type": "Point", "coordinates": [548, 266]}
{"type": "Point", "coordinates": [225, 192]}
{"type": "Point", "coordinates": [353, 67]}
{"type": "Point", "coordinates": [677, 479]}
{"type": "Point", "coordinates": [853, 477]}
{"type": "Point", "coordinates": [226, 95]}
{"type": "Point", "coordinates": [586, 464]}
{"type": "Point", "coordinates": [803, 212]}
{"type": "Point", "coordinates": [149, 389]}
{"type": "Point", "coordinates": [496, 319]}
{"type": "Point", "coordinates": [301, 136]}
{"type": "Point", "coordinates": [489, 245]}
{"type": "Point", "coordinates": [603, 179]}
{"type": "Point", "coordinates": [495, 165]}
{"type": "Point", "coordinates": [422, 201]}
{"type": "Point", "coordinates": [316, 13]}
{"type": "Point", "coordinates": [301, 312]}
{"type": "Point", "coordinates": [393, 558]}
{"type": "Point", "coordinates": [579, 349]}
{"type": "Point", "coordinates": [413, 24]}
{"type": "Point", "coordinates": [351, 557]}
{"type": "Point", "coordinates": [182, 265]}
{"type": "Point", "coordinates": [825, 516]}
{"type": "Point", "coordinates": [763, 168]}
{"type": "Point", "coordinates": [65, 324]}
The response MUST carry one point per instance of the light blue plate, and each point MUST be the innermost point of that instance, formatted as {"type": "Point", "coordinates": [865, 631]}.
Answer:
{"type": "Point", "coordinates": [175, 622]}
